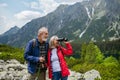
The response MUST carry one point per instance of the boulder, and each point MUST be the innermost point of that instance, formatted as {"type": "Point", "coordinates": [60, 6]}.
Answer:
{"type": "Point", "coordinates": [1, 62]}
{"type": "Point", "coordinates": [12, 61]}
{"type": "Point", "coordinates": [92, 74]}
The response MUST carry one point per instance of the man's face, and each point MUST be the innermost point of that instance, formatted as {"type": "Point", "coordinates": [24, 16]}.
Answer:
{"type": "Point", "coordinates": [43, 36]}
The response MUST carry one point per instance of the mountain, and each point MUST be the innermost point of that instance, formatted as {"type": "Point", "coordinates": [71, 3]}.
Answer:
{"type": "Point", "coordinates": [102, 22]}
{"type": "Point", "coordinates": [96, 20]}
{"type": "Point", "coordinates": [11, 31]}
{"type": "Point", "coordinates": [5, 36]}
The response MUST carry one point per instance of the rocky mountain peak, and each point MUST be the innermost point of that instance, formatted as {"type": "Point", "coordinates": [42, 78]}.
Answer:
{"type": "Point", "coordinates": [11, 31]}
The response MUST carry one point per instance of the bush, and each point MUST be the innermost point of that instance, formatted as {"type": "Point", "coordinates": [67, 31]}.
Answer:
{"type": "Point", "coordinates": [7, 52]}
{"type": "Point", "coordinates": [111, 61]}
{"type": "Point", "coordinates": [72, 61]}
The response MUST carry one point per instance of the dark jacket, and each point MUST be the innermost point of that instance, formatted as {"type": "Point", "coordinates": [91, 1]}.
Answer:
{"type": "Point", "coordinates": [32, 54]}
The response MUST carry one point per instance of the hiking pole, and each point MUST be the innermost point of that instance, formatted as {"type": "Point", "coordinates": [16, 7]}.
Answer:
{"type": "Point", "coordinates": [38, 74]}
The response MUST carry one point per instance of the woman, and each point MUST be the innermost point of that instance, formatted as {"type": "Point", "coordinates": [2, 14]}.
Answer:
{"type": "Point", "coordinates": [57, 66]}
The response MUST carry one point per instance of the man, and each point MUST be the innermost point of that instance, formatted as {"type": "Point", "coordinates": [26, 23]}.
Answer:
{"type": "Point", "coordinates": [35, 54]}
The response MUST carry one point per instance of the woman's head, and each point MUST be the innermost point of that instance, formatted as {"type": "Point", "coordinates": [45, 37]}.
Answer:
{"type": "Point", "coordinates": [53, 42]}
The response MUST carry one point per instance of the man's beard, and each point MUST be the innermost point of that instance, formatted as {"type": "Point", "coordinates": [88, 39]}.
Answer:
{"type": "Point", "coordinates": [44, 39]}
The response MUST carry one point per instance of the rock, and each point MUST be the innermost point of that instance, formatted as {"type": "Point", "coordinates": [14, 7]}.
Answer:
{"type": "Point", "coordinates": [89, 75]}
{"type": "Point", "coordinates": [12, 70]}
{"type": "Point", "coordinates": [17, 67]}
{"type": "Point", "coordinates": [3, 75]}
{"type": "Point", "coordinates": [25, 77]}
{"type": "Point", "coordinates": [1, 62]}
{"type": "Point", "coordinates": [92, 74]}
{"type": "Point", "coordinates": [1, 68]}
{"type": "Point", "coordinates": [74, 75]}
{"type": "Point", "coordinates": [12, 61]}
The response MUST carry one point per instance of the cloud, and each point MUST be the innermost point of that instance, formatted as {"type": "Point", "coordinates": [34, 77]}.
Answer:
{"type": "Point", "coordinates": [34, 5]}
{"type": "Point", "coordinates": [48, 5]}
{"type": "Point", "coordinates": [68, 1]}
{"type": "Point", "coordinates": [5, 24]}
{"type": "Point", "coordinates": [2, 20]}
{"type": "Point", "coordinates": [19, 20]}
{"type": "Point", "coordinates": [44, 6]}
{"type": "Point", "coordinates": [27, 15]}
{"type": "Point", "coordinates": [3, 5]}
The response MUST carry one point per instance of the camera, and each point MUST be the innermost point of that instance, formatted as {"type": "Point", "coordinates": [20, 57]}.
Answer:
{"type": "Point", "coordinates": [62, 39]}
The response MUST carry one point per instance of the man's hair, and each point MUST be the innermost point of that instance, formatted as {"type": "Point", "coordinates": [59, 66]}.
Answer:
{"type": "Point", "coordinates": [42, 29]}
{"type": "Point", "coordinates": [51, 44]}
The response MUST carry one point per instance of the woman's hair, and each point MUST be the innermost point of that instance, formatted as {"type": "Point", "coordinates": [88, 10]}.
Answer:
{"type": "Point", "coordinates": [51, 43]}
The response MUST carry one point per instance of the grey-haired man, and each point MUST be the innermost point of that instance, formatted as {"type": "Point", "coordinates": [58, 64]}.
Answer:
{"type": "Point", "coordinates": [36, 55]}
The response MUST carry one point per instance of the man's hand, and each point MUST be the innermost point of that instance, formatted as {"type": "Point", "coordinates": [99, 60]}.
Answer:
{"type": "Point", "coordinates": [41, 59]}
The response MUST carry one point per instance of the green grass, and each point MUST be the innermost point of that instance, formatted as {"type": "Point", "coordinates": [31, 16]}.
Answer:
{"type": "Point", "coordinates": [8, 52]}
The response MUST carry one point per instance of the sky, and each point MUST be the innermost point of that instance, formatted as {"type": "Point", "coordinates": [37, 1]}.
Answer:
{"type": "Point", "coordinates": [19, 12]}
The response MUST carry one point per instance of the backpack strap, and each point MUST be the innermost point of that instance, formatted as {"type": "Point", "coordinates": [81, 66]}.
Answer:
{"type": "Point", "coordinates": [33, 42]}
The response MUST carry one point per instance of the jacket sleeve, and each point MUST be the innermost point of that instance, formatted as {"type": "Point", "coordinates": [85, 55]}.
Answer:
{"type": "Point", "coordinates": [68, 50]}
{"type": "Point", "coordinates": [28, 53]}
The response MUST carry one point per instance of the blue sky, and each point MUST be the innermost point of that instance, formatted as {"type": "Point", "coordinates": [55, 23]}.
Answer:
{"type": "Point", "coordinates": [19, 12]}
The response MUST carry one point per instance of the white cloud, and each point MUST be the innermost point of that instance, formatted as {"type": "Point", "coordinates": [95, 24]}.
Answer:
{"type": "Point", "coordinates": [34, 5]}
{"type": "Point", "coordinates": [19, 20]}
{"type": "Point", "coordinates": [3, 5]}
{"type": "Point", "coordinates": [5, 24]}
{"type": "Point", "coordinates": [2, 20]}
{"type": "Point", "coordinates": [45, 6]}
{"type": "Point", "coordinates": [48, 5]}
{"type": "Point", "coordinates": [27, 15]}
{"type": "Point", "coordinates": [68, 1]}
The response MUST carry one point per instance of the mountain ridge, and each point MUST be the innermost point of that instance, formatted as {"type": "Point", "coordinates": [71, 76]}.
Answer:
{"type": "Point", "coordinates": [96, 20]}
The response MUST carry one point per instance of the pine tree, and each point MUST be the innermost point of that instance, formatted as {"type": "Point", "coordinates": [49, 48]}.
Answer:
{"type": "Point", "coordinates": [91, 53]}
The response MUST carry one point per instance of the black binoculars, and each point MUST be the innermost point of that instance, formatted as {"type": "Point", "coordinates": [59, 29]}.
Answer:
{"type": "Point", "coordinates": [62, 39]}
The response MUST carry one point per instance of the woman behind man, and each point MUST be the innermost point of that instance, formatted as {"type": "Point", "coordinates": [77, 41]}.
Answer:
{"type": "Point", "coordinates": [57, 66]}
